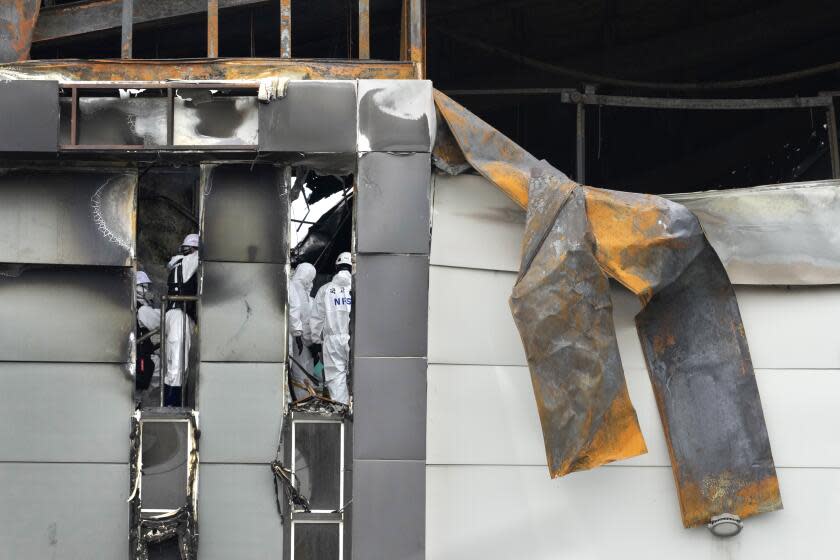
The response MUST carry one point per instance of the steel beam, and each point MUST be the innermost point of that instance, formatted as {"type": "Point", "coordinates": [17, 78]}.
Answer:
{"type": "Point", "coordinates": [831, 117]}
{"type": "Point", "coordinates": [580, 144]}
{"type": "Point", "coordinates": [250, 69]}
{"type": "Point", "coordinates": [69, 20]}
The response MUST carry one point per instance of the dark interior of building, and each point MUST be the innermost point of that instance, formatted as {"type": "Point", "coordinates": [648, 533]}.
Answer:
{"type": "Point", "coordinates": [743, 49]}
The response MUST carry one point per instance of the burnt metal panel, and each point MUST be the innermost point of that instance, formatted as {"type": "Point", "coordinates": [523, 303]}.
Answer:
{"type": "Point", "coordinates": [562, 308]}
{"type": "Point", "coordinates": [66, 314]}
{"type": "Point", "coordinates": [389, 405]}
{"type": "Point", "coordinates": [28, 116]}
{"type": "Point", "coordinates": [245, 213]}
{"type": "Point", "coordinates": [390, 304]}
{"type": "Point", "coordinates": [241, 411]}
{"type": "Point", "coordinates": [203, 120]}
{"type": "Point", "coordinates": [392, 203]}
{"type": "Point", "coordinates": [243, 312]}
{"type": "Point", "coordinates": [313, 116]}
{"type": "Point", "coordinates": [396, 116]}
{"type": "Point", "coordinates": [47, 412]}
{"type": "Point", "coordinates": [63, 510]}
{"type": "Point", "coordinates": [236, 509]}
{"type": "Point", "coordinates": [389, 510]}
{"type": "Point", "coordinates": [702, 375]}
{"type": "Point", "coordinates": [693, 335]}
{"type": "Point", "coordinates": [67, 216]}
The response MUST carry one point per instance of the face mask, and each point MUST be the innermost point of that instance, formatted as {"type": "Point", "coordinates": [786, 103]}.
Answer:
{"type": "Point", "coordinates": [142, 293]}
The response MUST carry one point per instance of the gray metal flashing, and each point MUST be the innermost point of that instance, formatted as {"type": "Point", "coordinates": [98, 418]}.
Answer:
{"type": "Point", "coordinates": [29, 119]}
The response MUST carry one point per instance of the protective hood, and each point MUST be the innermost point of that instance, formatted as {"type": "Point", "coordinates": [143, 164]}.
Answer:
{"type": "Point", "coordinates": [342, 278]}
{"type": "Point", "coordinates": [304, 275]}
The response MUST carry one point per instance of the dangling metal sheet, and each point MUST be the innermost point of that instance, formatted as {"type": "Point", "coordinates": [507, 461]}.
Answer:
{"type": "Point", "coordinates": [691, 329]}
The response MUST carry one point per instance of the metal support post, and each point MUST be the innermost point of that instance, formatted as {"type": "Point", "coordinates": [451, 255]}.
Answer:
{"type": "Point", "coordinates": [285, 28]}
{"type": "Point", "coordinates": [364, 29]}
{"type": "Point", "coordinates": [212, 28]}
{"type": "Point", "coordinates": [127, 28]}
{"type": "Point", "coordinates": [580, 175]}
{"type": "Point", "coordinates": [831, 117]}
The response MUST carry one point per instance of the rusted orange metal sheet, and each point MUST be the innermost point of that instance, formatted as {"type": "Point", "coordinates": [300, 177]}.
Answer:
{"type": "Point", "coordinates": [203, 69]}
{"type": "Point", "coordinates": [17, 24]}
{"type": "Point", "coordinates": [690, 328]}
{"type": "Point", "coordinates": [212, 28]}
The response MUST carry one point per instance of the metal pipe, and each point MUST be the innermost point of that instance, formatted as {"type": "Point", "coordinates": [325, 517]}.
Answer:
{"type": "Point", "coordinates": [163, 305]}
{"type": "Point", "coordinates": [580, 175]}
{"type": "Point", "coordinates": [285, 28]}
{"type": "Point", "coordinates": [127, 28]}
{"type": "Point", "coordinates": [74, 116]}
{"type": "Point", "coordinates": [364, 29]}
{"type": "Point", "coordinates": [417, 35]}
{"type": "Point", "coordinates": [831, 117]}
{"type": "Point", "coordinates": [212, 28]}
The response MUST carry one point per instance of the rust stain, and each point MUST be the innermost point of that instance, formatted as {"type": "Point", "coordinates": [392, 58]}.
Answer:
{"type": "Point", "coordinates": [212, 28]}
{"type": "Point", "coordinates": [285, 28]}
{"type": "Point", "coordinates": [618, 437]}
{"type": "Point", "coordinates": [727, 494]}
{"type": "Point", "coordinates": [17, 26]}
{"type": "Point", "coordinates": [203, 69]}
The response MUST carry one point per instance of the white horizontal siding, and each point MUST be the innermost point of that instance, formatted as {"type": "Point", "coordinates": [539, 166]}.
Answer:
{"type": "Point", "coordinates": [502, 427]}
{"type": "Point", "coordinates": [470, 322]}
{"type": "Point", "coordinates": [504, 513]}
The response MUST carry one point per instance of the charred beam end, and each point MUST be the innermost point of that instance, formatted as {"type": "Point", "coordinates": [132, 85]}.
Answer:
{"type": "Point", "coordinates": [70, 20]}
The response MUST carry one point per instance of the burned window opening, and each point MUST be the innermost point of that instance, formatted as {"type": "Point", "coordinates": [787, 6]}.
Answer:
{"type": "Point", "coordinates": [154, 529]}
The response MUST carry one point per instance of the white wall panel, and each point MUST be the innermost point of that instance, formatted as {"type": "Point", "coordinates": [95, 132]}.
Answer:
{"type": "Point", "coordinates": [469, 318]}
{"type": "Point", "coordinates": [63, 511]}
{"type": "Point", "coordinates": [470, 322]}
{"type": "Point", "coordinates": [501, 513]}
{"type": "Point", "coordinates": [474, 224]}
{"type": "Point", "coordinates": [64, 412]}
{"type": "Point", "coordinates": [800, 407]}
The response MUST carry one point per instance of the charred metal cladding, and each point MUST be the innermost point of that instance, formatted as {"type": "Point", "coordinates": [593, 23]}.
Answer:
{"type": "Point", "coordinates": [691, 329]}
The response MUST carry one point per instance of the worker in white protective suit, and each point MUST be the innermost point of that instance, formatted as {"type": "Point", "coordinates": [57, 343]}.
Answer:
{"type": "Point", "coordinates": [180, 318]}
{"type": "Point", "coordinates": [330, 326]}
{"type": "Point", "coordinates": [300, 338]}
{"type": "Point", "coordinates": [148, 320]}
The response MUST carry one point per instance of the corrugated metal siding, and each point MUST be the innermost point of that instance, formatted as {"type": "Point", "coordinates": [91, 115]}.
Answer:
{"type": "Point", "coordinates": [486, 473]}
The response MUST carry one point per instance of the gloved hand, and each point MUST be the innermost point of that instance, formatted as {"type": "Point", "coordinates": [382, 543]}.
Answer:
{"type": "Point", "coordinates": [299, 344]}
{"type": "Point", "coordinates": [315, 350]}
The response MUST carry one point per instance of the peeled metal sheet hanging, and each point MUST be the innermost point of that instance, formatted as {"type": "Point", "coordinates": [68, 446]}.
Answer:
{"type": "Point", "coordinates": [691, 330]}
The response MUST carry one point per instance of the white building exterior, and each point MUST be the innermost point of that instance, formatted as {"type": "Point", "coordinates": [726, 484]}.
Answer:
{"type": "Point", "coordinates": [488, 492]}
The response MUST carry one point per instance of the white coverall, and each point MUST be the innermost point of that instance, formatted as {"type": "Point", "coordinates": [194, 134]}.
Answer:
{"type": "Point", "coordinates": [330, 325]}
{"type": "Point", "coordinates": [300, 311]}
{"type": "Point", "coordinates": [178, 338]}
{"type": "Point", "coordinates": [149, 319]}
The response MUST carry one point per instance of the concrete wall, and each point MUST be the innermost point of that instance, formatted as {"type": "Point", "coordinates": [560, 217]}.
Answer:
{"type": "Point", "coordinates": [489, 496]}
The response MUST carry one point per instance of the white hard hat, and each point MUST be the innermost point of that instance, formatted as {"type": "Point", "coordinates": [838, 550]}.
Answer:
{"type": "Point", "coordinates": [142, 278]}
{"type": "Point", "coordinates": [190, 241]}
{"type": "Point", "coordinates": [344, 258]}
